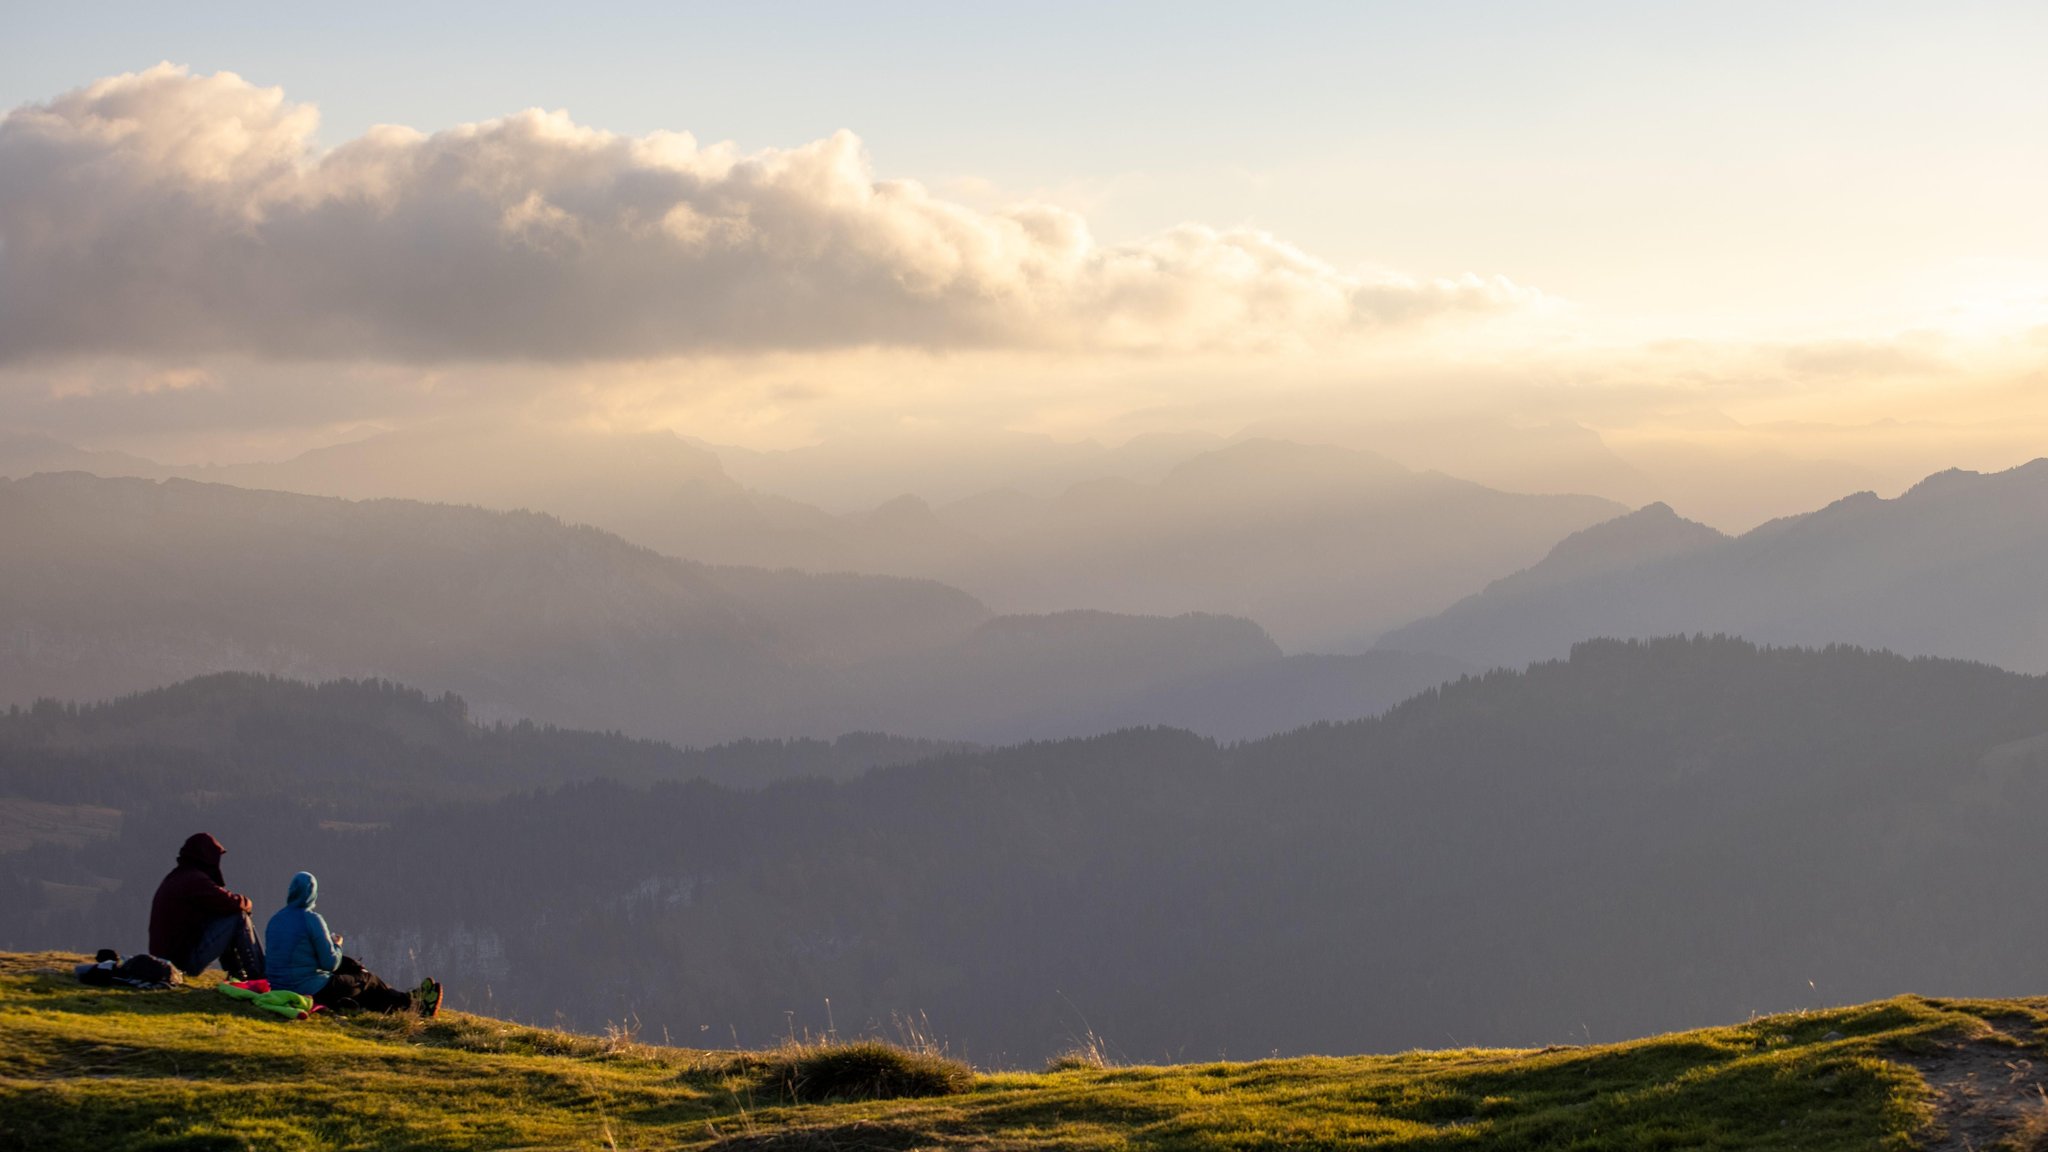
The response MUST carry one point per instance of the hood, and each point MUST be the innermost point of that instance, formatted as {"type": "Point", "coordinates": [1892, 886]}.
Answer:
{"type": "Point", "coordinates": [203, 852]}
{"type": "Point", "coordinates": [303, 892]}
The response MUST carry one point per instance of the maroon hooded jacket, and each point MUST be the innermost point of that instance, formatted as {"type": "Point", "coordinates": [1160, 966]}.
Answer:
{"type": "Point", "coordinates": [190, 898]}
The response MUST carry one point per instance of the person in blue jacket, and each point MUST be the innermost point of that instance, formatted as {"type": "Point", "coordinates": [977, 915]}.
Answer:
{"type": "Point", "coordinates": [303, 956]}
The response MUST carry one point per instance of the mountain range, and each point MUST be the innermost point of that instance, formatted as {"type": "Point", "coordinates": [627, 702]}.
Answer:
{"type": "Point", "coordinates": [118, 585]}
{"type": "Point", "coordinates": [1324, 547]}
{"type": "Point", "coordinates": [1955, 566]}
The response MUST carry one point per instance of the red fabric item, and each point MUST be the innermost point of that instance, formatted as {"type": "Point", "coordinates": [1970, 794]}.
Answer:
{"type": "Point", "coordinates": [189, 899]}
{"type": "Point", "coordinates": [257, 986]}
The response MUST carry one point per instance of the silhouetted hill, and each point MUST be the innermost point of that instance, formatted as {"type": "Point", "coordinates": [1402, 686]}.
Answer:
{"type": "Point", "coordinates": [1649, 836]}
{"type": "Point", "coordinates": [362, 748]}
{"type": "Point", "coordinates": [1956, 566]}
{"type": "Point", "coordinates": [1649, 535]}
{"type": "Point", "coordinates": [114, 586]}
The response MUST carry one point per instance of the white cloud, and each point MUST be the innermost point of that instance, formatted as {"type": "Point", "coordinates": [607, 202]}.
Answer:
{"type": "Point", "coordinates": [166, 214]}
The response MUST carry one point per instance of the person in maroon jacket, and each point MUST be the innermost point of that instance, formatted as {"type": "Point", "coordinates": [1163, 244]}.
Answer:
{"type": "Point", "coordinates": [194, 919]}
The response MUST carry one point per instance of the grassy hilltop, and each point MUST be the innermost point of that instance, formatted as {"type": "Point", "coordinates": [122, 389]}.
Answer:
{"type": "Point", "coordinates": [107, 1070]}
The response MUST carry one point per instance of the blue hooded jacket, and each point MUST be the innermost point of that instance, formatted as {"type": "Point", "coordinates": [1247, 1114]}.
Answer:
{"type": "Point", "coordinates": [299, 954]}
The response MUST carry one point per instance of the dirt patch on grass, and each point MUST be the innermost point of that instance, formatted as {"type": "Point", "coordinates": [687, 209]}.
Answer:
{"type": "Point", "coordinates": [1990, 1091]}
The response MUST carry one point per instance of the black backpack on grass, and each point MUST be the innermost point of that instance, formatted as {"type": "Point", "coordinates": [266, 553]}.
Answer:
{"type": "Point", "coordinates": [140, 971]}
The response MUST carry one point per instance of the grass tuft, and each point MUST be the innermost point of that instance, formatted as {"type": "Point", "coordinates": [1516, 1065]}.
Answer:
{"type": "Point", "coordinates": [864, 1070]}
{"type": "Point", "coordinates": [2031, 1134]}
{"type": "Point", "coordinates": [1089, 1054]}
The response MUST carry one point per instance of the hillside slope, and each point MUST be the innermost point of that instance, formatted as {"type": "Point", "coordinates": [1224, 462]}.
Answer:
{"type": "Point", "coordinates": [1957, 566]}
{"type": "Point", "coordinates": [110, 1071]}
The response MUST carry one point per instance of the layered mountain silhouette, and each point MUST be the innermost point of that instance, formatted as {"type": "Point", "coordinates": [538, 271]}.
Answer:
{"type": "Point", "coordinates": [655, 489]}
{"type": "Point", "coordinates": [1324, 547]}
{"type": "Point", "coordinates": [1956, 566]}
{"type": "Point", "coordinates": [117, 585]}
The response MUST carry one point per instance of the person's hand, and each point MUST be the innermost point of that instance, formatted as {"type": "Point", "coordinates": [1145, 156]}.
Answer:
{"type": "Point", "coordinates": [247, 906]}
{"type": "Point", "coordinates": [337, 939]}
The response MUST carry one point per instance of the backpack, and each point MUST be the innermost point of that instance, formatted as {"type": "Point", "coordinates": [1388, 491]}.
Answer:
{"type": "Point", "coordinates": [143, 968]}
{"type": "Point", "coordinates": [141, 971]}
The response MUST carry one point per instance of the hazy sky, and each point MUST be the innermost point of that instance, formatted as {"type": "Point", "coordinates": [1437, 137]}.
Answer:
{"type": "Point", "coordinates": [1809, 228]}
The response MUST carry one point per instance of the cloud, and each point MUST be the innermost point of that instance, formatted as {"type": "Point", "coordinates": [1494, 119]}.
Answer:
{"type": "Point", "coordinates": [166, 214]}
{"type": "Point", "coordinates": [1864, 360]}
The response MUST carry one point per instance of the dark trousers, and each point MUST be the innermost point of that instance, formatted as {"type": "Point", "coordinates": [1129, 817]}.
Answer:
{"type": "Point", "coordinates": [354, 986]}
{"type": "Point", "coordinates": [230, 940]}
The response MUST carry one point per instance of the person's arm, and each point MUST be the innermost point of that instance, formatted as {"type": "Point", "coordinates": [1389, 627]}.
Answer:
{"type": "Point", "coordinates": [211, 898]}
{"type": "Point", "coordinates": [326, 953]}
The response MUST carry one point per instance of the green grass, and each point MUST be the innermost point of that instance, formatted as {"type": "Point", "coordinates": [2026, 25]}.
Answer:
{"type": "Point", "coordinates": [108, 1070]}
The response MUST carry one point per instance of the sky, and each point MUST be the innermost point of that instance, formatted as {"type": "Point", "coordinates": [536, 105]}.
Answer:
{"type": "Point", "coordinates": [1805, 231]}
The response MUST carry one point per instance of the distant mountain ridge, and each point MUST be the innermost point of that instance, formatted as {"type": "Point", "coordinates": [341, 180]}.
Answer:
{"type": "Point", "coordinates": [1324, 547]}
{"type": "Point", "coordinates": [113, 586]}
{"type": "Point", "coordinates": [1956, 566]}
{"type": "Point", "coordinates": [1648, 535]}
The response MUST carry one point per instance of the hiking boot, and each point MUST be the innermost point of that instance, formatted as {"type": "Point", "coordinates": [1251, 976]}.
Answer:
{"type": "Point", "coordinates": [427, 997]}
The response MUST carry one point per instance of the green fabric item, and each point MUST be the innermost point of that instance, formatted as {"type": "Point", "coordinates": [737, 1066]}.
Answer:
{"type": "Point", "coordinates": [290, 1005]}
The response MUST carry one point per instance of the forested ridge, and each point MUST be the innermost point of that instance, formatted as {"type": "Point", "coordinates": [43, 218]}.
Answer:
{"type": "Point", "coordinates": [1646, 836]}
{"type": "Point", "coordinates": [370, 747]}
